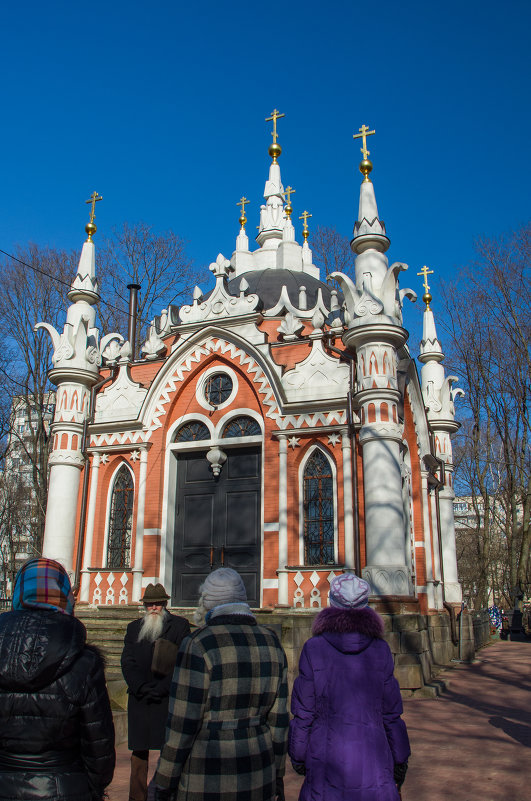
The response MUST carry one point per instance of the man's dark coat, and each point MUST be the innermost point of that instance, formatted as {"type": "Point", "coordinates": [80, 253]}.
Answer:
{"type": "Point", "coordinates": [148, 693]}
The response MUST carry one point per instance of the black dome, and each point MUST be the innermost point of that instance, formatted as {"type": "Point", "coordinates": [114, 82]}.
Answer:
{"type": "Point", "coordinates": [267, 284]}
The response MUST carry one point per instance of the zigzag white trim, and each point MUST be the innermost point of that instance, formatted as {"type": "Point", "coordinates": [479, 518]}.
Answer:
{"type": "Point", "coordinates": [225, 348]}
{"type": "Point", "coordinates": [116, 438]}
{"type": "Point", "coordinates": [255, 372]}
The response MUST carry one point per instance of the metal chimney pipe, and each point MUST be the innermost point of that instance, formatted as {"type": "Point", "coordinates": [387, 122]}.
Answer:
{"type": "Point", "coordinates": [133, 304]}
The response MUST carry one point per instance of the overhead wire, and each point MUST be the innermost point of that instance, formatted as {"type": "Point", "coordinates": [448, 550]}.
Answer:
{"type": "Point", "coordinates": [69, 286]}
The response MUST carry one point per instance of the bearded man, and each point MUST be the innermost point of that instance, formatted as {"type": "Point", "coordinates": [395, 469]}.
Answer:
{"type": "Point", "coordinates": [148, 675]}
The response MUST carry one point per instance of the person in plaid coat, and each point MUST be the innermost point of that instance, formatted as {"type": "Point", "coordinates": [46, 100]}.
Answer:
{"type": "Point", "coordinates": [226, 736]}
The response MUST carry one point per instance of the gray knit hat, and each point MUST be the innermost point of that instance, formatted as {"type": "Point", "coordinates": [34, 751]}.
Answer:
{"type": "Point", "coordinates": [222, 586]}
{"type": "Point", "coordinates": [347, 591]}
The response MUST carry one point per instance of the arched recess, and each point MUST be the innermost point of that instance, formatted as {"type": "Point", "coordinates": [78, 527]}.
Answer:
{"type": "Point", "coordinates": [119, 524]}
{"type": "Point", "coordinates": [318, 530]}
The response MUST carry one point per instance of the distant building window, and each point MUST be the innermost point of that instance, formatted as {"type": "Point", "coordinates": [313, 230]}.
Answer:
{"type": "Point", "coordinates": [192, 431]}
{"type": "Point", "coordinates": [218, 388]}
{"type": "Point", "coordinates": [460, 507]}
{"type": "Point", "coordinates": [121, 522]}
{"type": "Point", "coordinates": [318, 504]}
{"type": "Point", "coordinates": [242, 427]}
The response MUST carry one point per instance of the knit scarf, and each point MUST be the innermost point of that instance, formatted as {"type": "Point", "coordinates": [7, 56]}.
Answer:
{"type": "Point", "coordinates": [43, 584]}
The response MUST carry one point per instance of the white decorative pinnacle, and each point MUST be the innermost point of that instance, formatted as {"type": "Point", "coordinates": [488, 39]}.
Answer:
{"type": "Point", "coordinates": [272, 215]}
{"type": "Point", "coordinates": [437, 388]}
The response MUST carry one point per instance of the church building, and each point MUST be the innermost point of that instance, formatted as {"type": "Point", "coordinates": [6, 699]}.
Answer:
{"type": "Point", "coordinates": [277, 425]}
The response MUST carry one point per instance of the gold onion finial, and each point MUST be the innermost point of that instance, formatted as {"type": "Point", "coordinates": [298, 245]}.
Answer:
{"type": "Point", "coordinates": [288, 208]}
{"type": "Point", "coordinates": [366, 165]}
{"type": "Point", "coordinates": [304, 216]}
{"type": "Point", "coordinates": [274, 149]}
{"type": "Point", "coordinates": [243, 202]}
{"type": "Point", "coordinates": [426, 297]}
{"type": "Point", "coordinates": [90, 227]}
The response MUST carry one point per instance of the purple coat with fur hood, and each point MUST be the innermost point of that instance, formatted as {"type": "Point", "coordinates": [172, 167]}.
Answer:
{"type": "Point", "coordinates": [346, 704]}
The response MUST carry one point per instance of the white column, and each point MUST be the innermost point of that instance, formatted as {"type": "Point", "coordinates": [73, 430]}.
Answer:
{"type": "Point", "coordinates": [436, 552]}
{"type": "Point", "coordinates": [89, 535]}
{"type": "Point", "coordinates": [452, 587]}
{"type": "Point", "coordinates": [139, 539]}
{"type": "Point", "coordinates": [282, 520]}
{"type": "Point", "coordinates": [61, 510]}
{"type": "Point", "coordinates": [384, 516]}
{"type": "Point", "coordinates": [348, 502]}
{"type": "Point", "coordinates": [427, 539]}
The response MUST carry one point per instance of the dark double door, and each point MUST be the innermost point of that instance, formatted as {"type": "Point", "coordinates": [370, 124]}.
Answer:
{"type": "Point", "coordinates": [217, 522]}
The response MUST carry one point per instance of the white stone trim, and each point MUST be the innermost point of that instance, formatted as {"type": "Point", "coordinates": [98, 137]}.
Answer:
{"type": "Point", "coordinates": [89, 532]}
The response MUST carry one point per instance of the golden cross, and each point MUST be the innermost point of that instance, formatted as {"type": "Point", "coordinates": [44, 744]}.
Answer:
{"type": "Point", "coordinates": [425, 272]}
{"type": "Point", "coordinates": [289, 192]}
{"type": "Point", "coordinates": [93, 200]}
{"type": "Point", "coordinates": [275, 115]}
{"type": "Point", "coordinates": [364, 133]}
{"type": "Point", "coordinates": [243, 202]}
{"type": "Point", "coordinates": [304, 216]}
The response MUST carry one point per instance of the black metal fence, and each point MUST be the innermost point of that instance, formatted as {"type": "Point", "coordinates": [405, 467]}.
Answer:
{"type": "Point", "coordinates": [5, 604]}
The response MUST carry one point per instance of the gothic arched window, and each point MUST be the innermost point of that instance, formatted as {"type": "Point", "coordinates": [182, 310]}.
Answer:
{"type": "Point", "coordinates": [318, 504]}
{"type": "Point", "coordinates": [121, 521]}
{"type": "Point", "coordinates": [242, 426]}
{"type": "Point", "coordinates": [192, 431]}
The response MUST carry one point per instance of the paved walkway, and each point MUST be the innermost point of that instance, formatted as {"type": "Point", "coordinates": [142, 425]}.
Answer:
{"type": "Point", "coordinates": [471, 744]}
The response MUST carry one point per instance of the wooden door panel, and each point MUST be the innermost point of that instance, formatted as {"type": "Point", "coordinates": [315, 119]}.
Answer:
{"type": "Point", "coordinates": [217, 522]}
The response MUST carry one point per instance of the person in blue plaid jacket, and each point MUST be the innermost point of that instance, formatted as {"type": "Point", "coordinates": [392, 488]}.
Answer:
{"type": "Point", "coordinates": [226, 736]}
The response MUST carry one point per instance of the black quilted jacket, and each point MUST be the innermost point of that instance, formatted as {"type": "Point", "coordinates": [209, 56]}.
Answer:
{"type": "Point", "coordinates": [56, 729]}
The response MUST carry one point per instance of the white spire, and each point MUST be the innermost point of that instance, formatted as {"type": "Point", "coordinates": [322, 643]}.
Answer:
{"type": "Point", "coordinates": [272, 215]}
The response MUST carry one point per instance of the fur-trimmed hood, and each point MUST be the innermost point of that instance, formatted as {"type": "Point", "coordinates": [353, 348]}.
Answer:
{"type": "Point", "coordinates": [349, 630]}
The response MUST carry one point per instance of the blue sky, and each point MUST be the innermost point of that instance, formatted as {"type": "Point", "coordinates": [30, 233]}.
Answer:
{"type": "Point", "coordinates": [160, 107]}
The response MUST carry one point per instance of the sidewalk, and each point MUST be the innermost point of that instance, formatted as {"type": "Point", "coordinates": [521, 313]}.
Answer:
{"type": "Point", "coordinates": [471, 744]}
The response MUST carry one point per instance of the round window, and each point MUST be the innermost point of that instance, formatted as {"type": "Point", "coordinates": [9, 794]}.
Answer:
{"type": "Point", "coordinates": [218, 388]}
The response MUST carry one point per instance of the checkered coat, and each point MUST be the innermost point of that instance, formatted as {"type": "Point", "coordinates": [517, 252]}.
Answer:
{"type": "Point", "coordinates": [226, 736]}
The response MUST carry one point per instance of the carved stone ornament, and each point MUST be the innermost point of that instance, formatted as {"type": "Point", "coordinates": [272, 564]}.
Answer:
{"type": "Point", "coordinates": [319, 376]}
{"type": "Point", "coordinates": [220, 304]}
{"type": "Point", "coordinates": [122, 400]}
{"type": "Point", "coordinates": [110, 348]}
{"type": "Point", "coordinates": [290, 327]}
{"type": "Point", "coordinates": [440, 402]}
{"type": "Point", "coordinates": [153, 346]}
{"type": "Point", "coordinates": [284, 305]}
{"type": "Point", "coordinates": [370, 301]}
{"type": "Point", "coordinates": [78, 343]}
{"type": "Point", "coordinates": [217, 459]}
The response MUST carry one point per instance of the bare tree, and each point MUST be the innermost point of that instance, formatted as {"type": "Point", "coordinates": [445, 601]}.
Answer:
{"type": "Point", "coordinates": [137, 254]}
{"type": "Point", "coordinates": [490, 326]}
{"type": "Point", "coordinates": [32, 288]}
{"type": "Point", "coordinates": [331, 251]}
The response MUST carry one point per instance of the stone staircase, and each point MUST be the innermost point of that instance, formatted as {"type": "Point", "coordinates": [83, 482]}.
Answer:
{"type": "Point", "coordinates": [106, 629]}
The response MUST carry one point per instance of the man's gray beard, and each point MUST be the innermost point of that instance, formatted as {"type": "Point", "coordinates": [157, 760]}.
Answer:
{"type": "Point", "coordinates": [152, 626]}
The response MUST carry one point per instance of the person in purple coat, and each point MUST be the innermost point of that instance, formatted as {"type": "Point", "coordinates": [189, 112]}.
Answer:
{"type": "Point", "coordinates": [347, 736]}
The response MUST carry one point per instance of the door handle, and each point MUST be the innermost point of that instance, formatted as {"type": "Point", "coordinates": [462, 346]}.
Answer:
{"type": "Point", "coordinates": [222, 556]}
{"type": "Point", "coordinates": [211, 556]}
